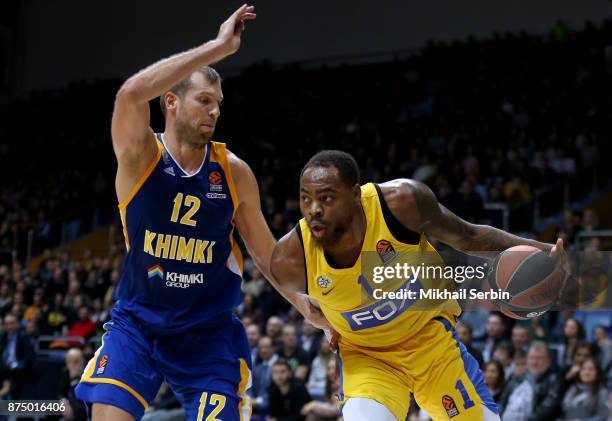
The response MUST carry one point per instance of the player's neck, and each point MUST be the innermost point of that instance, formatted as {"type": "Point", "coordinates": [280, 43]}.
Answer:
{"type": "Point", "coordinates": [188, 157]}
{"type": "Point", "coordinates": [345, 252]}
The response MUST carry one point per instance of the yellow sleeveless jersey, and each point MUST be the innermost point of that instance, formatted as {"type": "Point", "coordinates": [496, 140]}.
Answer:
{"type": "Point", "coordinates": [366, 308]}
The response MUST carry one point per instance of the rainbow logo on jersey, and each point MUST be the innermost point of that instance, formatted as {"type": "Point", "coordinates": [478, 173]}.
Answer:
{"type": "Point", "coordinates": [156, 270]}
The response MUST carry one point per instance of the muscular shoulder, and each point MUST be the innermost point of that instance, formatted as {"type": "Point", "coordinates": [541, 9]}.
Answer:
{"type": "Point", "coordinates": [244, 179]}
{"type": "Point", "coordinates": [238, 166]}
{"type": "Point", "coordinates": [409, 201]}
{"type": "Point", "coordinates": [288, 263]}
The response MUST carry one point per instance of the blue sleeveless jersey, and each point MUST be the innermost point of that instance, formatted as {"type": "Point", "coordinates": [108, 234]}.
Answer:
{"type": "Point", "coordinates": [183, 268]}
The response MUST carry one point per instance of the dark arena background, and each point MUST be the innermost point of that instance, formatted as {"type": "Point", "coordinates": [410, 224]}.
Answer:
{"type": "Point", "coordinates": [504, 109]}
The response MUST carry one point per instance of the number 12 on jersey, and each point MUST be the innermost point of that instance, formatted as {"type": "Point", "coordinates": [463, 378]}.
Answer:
{"type": "Point", "coordinates": [192, 202]}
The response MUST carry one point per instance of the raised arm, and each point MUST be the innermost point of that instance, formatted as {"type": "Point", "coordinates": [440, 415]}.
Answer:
{"type": "Point", "coordinates": [132, 138]}
{"type": "Point", "coordinates": [260, 244]}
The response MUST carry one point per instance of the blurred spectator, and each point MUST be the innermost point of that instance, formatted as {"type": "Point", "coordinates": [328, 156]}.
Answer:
{"type": "Point", "coordinates": [495, 379]}
{"type": "Point", "coordinates": [327, 410]}
{"type": "Point", "coordinates": [309, 341]}
{"type": "Point", "coordinates": [84, 326]}
{"type": "Point", "coordinates": [57, 317]}
{"type": "Point", "coordinates": [262, 375]}
{"type": "Point", "coordinates": [293, 354]}
{"type": "Point", "coordinates": [287, 394]}
{"type": "Point", "coordinates": [249, 309]}
{"type": "Point", "coordinates": [496, 331]}
{"type": "Point", "coordinates": [69, 378]}
{"type": "Point", "coordinates": [17, 353]}
{"type": "Point", "coordinates": [38, 307]}
{"type": "Point", "coordinates": [537, 396]}
{"type": "Point", "coordinates": [317, 380]}
{"type": "Point", "coordinates": [470, 202]}
{"type": "Point", "coordinates": [604, 344]}
{"type": "Point", "coordinates": [516, 191]}
{"type": "Point", "coordinates": [253, 336]}
{"type": "Point", "coordinates": [587, 399]}
{"type": "Point", "coordinates": [573, 332]}
{"type": "Point", "coordinates": [520, 337]}
{"type": "Point", "coordinates": [582, 351]}
{"type": "Point", "coordinates": [464, 333]}
{"type": "Point", "coordinates": [590, 220]}
{"type": "Point", "coordinates": [520, 365]}
{"type": "Point", "coordinates": [274, 329]}
{"type": "Point", "coordinates": [504, 353]}
{"type": "Point", "coordinates": [476, 318]}
{"type": "Point", "coordinates": [100, 315]}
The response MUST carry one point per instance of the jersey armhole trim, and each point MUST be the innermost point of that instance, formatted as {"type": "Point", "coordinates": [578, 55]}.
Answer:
{"type": "Point", "coordinates": [223, 161]}
{"type": "Point", "coordinates": [298, 231]}
{"type": "Point", "coordinates": [144, 177]}
{"type": "Point", "coordinates": [399, 231]}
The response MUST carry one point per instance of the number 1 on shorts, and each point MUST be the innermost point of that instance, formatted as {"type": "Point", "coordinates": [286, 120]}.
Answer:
{"type": "Point", "coordinates": [467, 402]}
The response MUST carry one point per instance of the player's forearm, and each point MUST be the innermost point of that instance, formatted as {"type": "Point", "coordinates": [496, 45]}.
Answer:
{"type": "Point", "coordinates": [294, 297]}
{"type": "Point", "coordinates": [483, 238]}
{"type": "Point", "coordinates": [160, 77]}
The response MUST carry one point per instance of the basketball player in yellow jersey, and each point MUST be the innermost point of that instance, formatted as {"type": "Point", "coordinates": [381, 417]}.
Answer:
{"type": "Point", "coordinates": [387, 349]}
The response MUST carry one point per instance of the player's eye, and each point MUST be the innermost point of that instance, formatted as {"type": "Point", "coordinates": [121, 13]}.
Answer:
{"type": "Point", "coordinates": [327, 198]}
{"type": "Point", "coordinates": [204, 101]}
{"type": "Point", "coordinates": [305, 199]}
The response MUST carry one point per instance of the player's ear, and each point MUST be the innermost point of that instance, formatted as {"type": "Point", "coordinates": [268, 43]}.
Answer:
{"type": "Point", "coordinates": [170, 99]}
{"type": "Point", "coordinates": [357, 193]}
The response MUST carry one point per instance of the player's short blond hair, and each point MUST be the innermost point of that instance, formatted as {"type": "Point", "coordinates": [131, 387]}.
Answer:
{"type": "Point", "coordinates": [180, 88]}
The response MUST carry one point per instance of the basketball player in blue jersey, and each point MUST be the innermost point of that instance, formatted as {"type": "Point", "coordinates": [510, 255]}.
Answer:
{"type": "Point", "coordinates": [180, 196]}
{"type": "Point", "coordinates": [387, 349]}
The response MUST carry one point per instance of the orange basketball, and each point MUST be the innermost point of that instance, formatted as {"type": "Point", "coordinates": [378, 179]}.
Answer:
{"type": "Point", "coordinates": [531, 278]}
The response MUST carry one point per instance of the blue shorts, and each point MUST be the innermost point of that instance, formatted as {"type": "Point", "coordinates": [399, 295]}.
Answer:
{"type": "Point", "coordinates": [208, 369]}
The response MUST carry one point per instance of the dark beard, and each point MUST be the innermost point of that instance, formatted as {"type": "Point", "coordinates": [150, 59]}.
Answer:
{"type": "Point", "coordinates": [186, 133]}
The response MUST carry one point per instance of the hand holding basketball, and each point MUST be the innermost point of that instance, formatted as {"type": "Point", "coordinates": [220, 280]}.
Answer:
{"type": "Point", "coordinates": [559, 255]}
{"type": "Point", "coordinates": [533, 279]}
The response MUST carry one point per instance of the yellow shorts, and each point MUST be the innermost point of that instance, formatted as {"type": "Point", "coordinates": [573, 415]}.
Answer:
{"type": "Point", "coordinates": [444, 378]}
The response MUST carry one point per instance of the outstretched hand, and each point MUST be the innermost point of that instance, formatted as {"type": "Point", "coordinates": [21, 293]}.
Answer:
{"type": "Point", "coordinates": [231, 30]}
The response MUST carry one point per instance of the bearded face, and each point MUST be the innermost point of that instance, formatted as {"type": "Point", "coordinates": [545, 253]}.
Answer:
{"type": "Point", "coordinates": [196, 110]}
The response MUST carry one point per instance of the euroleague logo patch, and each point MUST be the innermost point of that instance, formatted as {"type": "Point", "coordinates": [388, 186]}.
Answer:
{"type": "Point", "coordinates": [449, 404]}
{"type": "Point", "coordinates": [385, 251]}
{"type": "Point", "coordinates": [215, 178]}
{"type": "Point", "coordinates": [102, 364]}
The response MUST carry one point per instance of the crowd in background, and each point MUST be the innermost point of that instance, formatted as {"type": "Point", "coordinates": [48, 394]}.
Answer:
{"type": "Point", "coordinates": [480, 121]}
{"type": "Point", "coordinates": [494, 120]}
